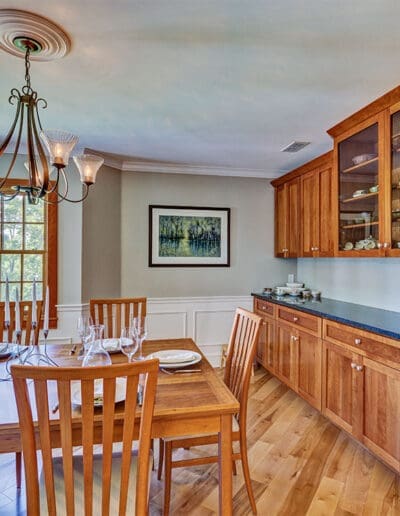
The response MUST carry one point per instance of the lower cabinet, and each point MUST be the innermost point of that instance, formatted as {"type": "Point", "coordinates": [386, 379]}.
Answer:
{"type": "Point", "coordinates": [299, 362]}
{"type": "Point", "coordinates": [352, 376]}
{"type": "Point", "coordinates": [266, 352]}
{"type": "Point", "coordinates": [362, 396]}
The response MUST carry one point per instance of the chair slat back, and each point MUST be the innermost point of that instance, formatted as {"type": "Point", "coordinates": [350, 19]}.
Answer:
{"type": "Point", "coordinates": [25, 310]}
{"type": "Point", "coordinates": [116, 313]}
{"type": "Point", "coordinates": [240, 356]}
{"type": "Point", "coordinates": [87, 378]}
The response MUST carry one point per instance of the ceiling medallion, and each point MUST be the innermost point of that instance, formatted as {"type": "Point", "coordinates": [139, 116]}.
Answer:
{"type": "Point", "coordinates": [16, 24]}
{"type": "Point", "coordinates": [33, 37]}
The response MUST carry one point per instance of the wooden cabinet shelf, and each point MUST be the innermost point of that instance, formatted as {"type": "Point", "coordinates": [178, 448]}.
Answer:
{"type": "Point", "coordinates": [364, 164]}
{"type": "Point", "coordinates": [363, 225]}
{"type": "Point", "coordinates": [359, 197]}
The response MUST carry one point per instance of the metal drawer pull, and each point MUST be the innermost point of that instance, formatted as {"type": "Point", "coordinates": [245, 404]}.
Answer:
{"type": "Point", "coordinates": [295, 319]}
{"type": "Point", "coordinates": [357, 341]}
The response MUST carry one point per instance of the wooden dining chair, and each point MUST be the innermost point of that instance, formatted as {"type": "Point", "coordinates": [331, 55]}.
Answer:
{"type": "Point", "coordinates": [25, 310]}
{"type": "Point", "coordinates": [238, 367]}
{"type": "Point", "coordinates": [116, 313]}
{"type": "Point", "coordinates": [87, 484]}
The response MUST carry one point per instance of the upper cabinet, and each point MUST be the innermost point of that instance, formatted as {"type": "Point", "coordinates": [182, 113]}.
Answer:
{"type": "Point", "coordinates": [316, 211]}
{"type": "Point", "coordinates": [360, 183]}
{"type": "Point", "coordinates": [303, 210]}
{"type": "Point", "coordinates": [287, 209]}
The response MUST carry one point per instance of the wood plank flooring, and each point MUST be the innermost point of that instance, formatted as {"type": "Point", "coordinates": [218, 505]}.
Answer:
{"type": "Point", "coordinates": [300, 464]}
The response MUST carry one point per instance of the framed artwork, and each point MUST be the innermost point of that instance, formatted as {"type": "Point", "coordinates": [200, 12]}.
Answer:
{"type": "Point", "coordinates": [186, 236]}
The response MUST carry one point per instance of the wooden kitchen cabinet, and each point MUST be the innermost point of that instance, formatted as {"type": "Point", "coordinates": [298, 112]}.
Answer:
{"type": "Point", "coordinates": [287, 212]}
{"type": "Point", "coordinates": [299, 362]}
{"type": "Point", "coordinates": [316, 212]}
{"type": "Point", "coordinates": [361, 394]}
{"type": "Point", "coordinates": [266, 348]}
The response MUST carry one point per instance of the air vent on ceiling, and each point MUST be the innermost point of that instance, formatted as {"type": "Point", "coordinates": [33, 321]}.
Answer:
{"type": "Point", "coordinates": [295, 146]}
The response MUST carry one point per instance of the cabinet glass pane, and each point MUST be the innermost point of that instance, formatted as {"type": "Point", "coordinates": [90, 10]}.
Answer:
{"type": "Point", "coordinates": [395, 180]}
{"type": "Point", "coordinates": [358, 191]}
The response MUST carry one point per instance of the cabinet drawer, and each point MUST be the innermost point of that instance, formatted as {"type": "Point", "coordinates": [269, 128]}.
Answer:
{"type": "Point", "coordinates": [264, 307]}
{"type": "Point", "coordinates": [363, 342]}
{"type": "Point", "coordinates": [305, 321]}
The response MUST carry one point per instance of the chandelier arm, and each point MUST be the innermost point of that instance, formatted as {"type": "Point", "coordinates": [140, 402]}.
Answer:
{"type": "Point", "coordinates": [10, 197]}
{"type": "Point", "coordinates": [33, 170]}
{"type": "Point", "coordinates": [63, 197]}
{"type": "Point", "coordinates": [44, 181]}
{"type": "Point", "coordinates": [17, 143]}
{"type": "Point", "coordinates": [11, 131]}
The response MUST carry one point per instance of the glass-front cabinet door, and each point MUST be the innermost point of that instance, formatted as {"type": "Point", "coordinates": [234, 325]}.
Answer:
{"type": "Point", "coordinates": [394, 212]}
{"type": "Point", "coordinates": [360, 166]}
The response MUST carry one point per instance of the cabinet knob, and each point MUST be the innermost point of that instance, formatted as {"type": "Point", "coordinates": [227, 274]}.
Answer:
{"type": "Point", "coordinates": [353, 365]}
{"type": "Point", "coordinates": [312, 248]}
{"type": "Point", "coordinates": [295, 319]}
{"type": "Point", "coordinates": [379, 245]}
{"type": "Point", "coordinates": [315, 249]}
{"type": "Point", "coordinates": [386, 245]}
{"type": "Point", "coordinates": [357, 341]}
{"type": "Point", "coordinates": [359, 368]}
{"type": "Point", "coordinates": [285, 250]}
{"type": "Point", "coordinates": [295, 338]}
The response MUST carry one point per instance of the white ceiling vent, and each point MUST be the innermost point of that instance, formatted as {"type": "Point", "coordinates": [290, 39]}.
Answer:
{"type": "Point", "coordinates": [295, 146]}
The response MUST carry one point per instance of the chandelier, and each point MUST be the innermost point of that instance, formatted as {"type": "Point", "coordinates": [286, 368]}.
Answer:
{"type": "Point", "coordinates": [47, 177]}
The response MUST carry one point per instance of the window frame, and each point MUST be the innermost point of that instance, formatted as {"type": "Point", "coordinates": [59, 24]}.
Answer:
{"type": "Point", "coordinates": [51, 249]}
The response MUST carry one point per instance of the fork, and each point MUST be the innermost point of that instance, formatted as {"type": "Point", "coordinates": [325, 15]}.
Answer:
{"type": "Point", "coordinates": [177, 371]}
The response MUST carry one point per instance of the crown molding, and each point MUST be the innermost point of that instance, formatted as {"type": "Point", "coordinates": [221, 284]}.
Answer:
{"type": "Point", "coordinates": [159, 167]}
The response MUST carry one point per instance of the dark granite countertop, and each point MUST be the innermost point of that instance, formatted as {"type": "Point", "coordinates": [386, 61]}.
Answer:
{"type": "Point", "coordinates": [383, 322]}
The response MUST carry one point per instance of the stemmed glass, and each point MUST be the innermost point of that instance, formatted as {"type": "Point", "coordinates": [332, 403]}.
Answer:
{"type": "Point", "coordinates": [84, 324]}
{"type": "Point", "coordinates": [140, 332]}
{"type": "Point", "coordinates": [128, 342]}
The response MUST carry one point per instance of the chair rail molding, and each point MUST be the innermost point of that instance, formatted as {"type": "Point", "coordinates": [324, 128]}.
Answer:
{"type": "Point", "coordinates": [207, 320]}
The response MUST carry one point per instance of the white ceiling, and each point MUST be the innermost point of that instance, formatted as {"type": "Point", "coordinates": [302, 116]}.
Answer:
{"type": "Point", "coordinates": [223, 83]}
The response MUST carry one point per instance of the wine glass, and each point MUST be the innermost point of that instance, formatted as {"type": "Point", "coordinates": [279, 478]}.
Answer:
{"type": "Point", "coordinates": [128, 343]}
{"type": "Point", "coordinates": [84, 324]}
{"type": "Point", "coordinates": [140, 332]}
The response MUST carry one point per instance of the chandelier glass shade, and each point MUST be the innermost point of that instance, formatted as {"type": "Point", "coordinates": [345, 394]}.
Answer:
{"type": "Point", "coordinates": [59, 145]}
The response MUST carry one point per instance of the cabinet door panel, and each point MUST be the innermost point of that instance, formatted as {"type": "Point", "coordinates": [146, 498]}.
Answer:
{"type": "Point", "coordinates": [286, 359]}
{"type": "Point", "coordinates": [381, 418]}
{"type": "Point", "coordinates": [337, 403]}
{"type": "Point", "coordinates": [310, 213]}
{"type": "Point", "coordinates": [325, 226]}
{"type": "Point", "coordinates": [262, 344]}
{"type": "Point", "coordinates": [281, 220]}
{"type": "Point", "coordinates": [309, 364]}
{"type": "Point", "coordinates": [293, 243]}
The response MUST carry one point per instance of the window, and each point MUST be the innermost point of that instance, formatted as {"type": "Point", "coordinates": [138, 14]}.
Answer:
{"type": "Point", "coordinates": [28, 248]}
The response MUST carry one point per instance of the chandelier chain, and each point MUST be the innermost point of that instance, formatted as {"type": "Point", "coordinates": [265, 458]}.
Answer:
{"type": "Point", "coordinates": [27, 67]}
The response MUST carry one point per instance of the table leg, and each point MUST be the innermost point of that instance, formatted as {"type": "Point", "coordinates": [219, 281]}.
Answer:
{"type": "Point", "coordinates": [225, 465]}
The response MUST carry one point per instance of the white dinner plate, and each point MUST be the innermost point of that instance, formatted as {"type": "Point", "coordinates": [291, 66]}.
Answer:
{"type": "Point", "coordinates": [111, 345]}
{"type": "Point", "coordinates": [120, 390]}
{"type": "Point", "coordinates": [174, 358]}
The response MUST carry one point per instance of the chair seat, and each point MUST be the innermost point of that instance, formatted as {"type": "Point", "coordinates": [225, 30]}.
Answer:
{"type": "Point", "coordinates": [97, 488]}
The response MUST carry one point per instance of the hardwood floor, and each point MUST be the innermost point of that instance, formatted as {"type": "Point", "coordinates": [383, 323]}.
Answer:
{"type": "Point", "coordinates": [300, 464]}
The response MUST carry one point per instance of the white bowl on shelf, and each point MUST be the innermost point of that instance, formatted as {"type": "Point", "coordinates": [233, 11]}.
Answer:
{"type": "Point", "coordinates": [295, 285]}
{"type": "Point", "coordinates": [362, 157]}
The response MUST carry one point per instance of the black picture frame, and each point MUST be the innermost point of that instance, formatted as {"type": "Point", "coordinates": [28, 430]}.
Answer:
{"type": "Point", "coordinates": [194, 236]}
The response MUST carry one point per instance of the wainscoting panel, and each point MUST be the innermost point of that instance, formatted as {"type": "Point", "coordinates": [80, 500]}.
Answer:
{"type": "Point", "coordinates": [207, 320]}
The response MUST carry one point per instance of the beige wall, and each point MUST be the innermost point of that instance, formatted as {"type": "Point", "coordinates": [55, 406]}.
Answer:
{"type": "Point", "coordinates": [252, 215]}
{"type": "Point", "coordinates": [101, 249]}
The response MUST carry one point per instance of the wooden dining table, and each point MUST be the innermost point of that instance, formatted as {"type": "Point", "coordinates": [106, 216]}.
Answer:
{"type": "Point", "coordinates": [186, 404]}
